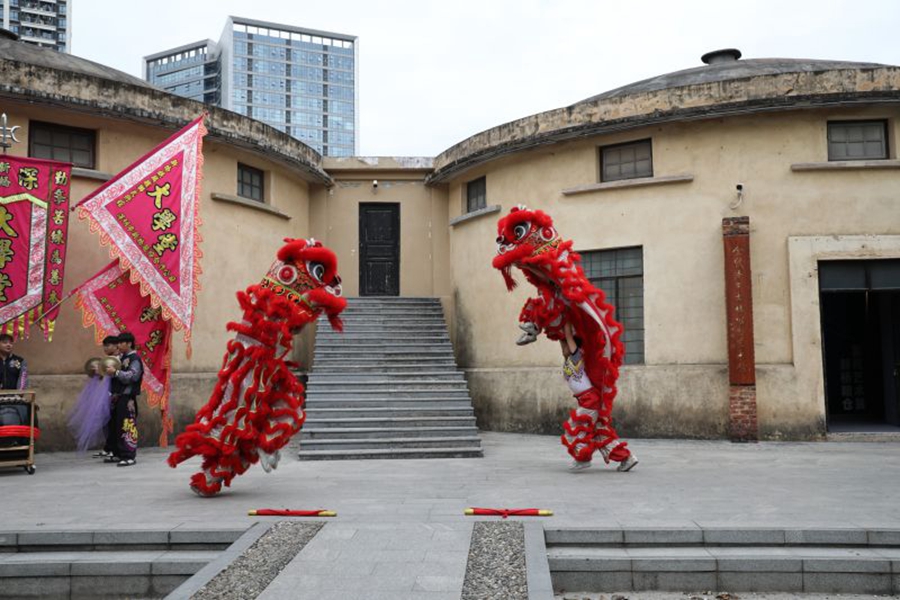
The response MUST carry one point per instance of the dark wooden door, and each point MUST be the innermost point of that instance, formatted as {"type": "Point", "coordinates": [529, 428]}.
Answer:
{"type": "Point", "coordinates": [379, 249]}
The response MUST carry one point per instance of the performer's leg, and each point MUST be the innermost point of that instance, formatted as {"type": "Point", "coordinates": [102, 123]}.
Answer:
{"type": "Point", "coordinates": [607, 441]}
{"type": "Point", "coordinates": [128, 440]}
{"type": "Point", "coordinates": [112, 431]}
{"type": "Point", "coordinates": [579, 429]}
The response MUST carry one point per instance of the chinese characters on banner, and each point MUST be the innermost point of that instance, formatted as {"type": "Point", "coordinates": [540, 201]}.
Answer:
{"type": "Point", "coordinates": [34, 225]}
{"type": "Point", "coordinates": [148, 215]}
{"type": "Point", "coordinates": [112, 304]}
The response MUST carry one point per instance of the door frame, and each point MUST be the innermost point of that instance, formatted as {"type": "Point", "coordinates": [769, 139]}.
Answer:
{"type": "Point", "coordinates": [395, 206]}
{"type": "Point", "coordinates": [804, 253]}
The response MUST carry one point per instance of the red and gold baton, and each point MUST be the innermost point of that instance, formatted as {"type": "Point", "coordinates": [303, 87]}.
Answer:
{"type": "Point", "coordinates": [509, 512]}
{"type": "Point", "coordinates": [276, 512]}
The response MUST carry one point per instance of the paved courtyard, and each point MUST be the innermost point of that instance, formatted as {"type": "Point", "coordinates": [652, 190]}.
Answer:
{"type": "Point", "coordinates": [678, 482]}
{"type": "Point", "coordinates": [420, 503]}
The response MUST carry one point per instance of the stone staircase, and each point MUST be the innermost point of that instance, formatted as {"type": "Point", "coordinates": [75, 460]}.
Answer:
{"type": "Point", "coordinates": [812, 561]}
{"type": "Point", "coordinates": [388, 386]}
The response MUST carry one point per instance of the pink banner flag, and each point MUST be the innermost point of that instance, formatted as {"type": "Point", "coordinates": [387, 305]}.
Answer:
{"type": "Point", "coordinates": [112, 304]}
{"type": "Point", "coordinates": [34, 225]}
{"type": "Point", "coordinates": [149, 217]}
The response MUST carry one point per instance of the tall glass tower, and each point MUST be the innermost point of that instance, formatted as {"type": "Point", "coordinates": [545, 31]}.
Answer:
{"type": "Point", "coordinates": [45, 23]}
{"type": "Point", "coordinates": [301, 81]}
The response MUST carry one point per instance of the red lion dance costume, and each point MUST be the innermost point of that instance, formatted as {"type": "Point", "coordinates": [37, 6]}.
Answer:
{"type": "Point", "coordinates": [527, 240]}
{"type": "Point", "coordinates": [255, 407]}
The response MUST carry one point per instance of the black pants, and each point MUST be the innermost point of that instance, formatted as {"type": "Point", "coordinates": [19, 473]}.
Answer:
{"type": "Point", "coordinates": [123, 427]}
{"type": "Point", "coordinates": [112, 432]}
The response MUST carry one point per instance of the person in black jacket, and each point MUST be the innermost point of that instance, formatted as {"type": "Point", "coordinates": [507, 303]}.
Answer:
{"type": "Point", "coordinates": [14, 370]}
{"type": "Point", "coordinates": [125, 385]}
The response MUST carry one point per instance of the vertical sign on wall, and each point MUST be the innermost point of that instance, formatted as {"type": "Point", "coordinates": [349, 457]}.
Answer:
{"type": "Point", "coordinates": [742, 425]}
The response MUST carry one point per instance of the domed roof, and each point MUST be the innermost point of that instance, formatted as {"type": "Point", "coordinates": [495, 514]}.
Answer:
{"type": "Point", "coordinates": [725, 86]}
{"type": "Point", "coordinates": [46, 57]}
{"type": "Point", "coordinates": [732, 69]}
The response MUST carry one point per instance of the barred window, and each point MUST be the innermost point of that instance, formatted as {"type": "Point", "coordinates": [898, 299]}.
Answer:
{"type": "Point", "coordinates": [58, 142]}
{"type": "Point", "coordinates": [476, 194]}
{"type": "Point", "coordinates": [250, 183]}
{"type": "Point", "coordinates": [626, 161]}
{"type": "Point", "coordinates": [857, 140]}
{"type": "Point", "coordinates": [620, 274]}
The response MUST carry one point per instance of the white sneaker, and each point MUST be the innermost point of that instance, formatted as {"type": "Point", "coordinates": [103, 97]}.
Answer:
{"type": "Point", "coordinates": [579, 465]}
{"type": "Point", "coordinates": [627, 464]}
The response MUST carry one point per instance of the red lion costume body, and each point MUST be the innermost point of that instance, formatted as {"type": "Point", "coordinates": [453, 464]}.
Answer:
{"type": "Point", "coordinates": [527, 239]}
{"type": "Point", "coordinates": [255, 407]}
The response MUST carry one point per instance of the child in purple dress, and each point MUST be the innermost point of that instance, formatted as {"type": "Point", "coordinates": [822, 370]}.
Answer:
{"type": "Point", "coordinates": [89, 418]}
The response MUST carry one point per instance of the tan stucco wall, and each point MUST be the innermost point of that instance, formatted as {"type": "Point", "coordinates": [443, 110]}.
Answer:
{"type": "Point", "coordinates": [239, 243]}
{"type": "Point", "coordinates": [424, 262]}
{"type": "Point", "coordinates": [679, 227]}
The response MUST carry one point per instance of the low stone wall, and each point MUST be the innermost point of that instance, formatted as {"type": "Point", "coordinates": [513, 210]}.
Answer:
{"type": "Point", "coordinates": [671, 401]}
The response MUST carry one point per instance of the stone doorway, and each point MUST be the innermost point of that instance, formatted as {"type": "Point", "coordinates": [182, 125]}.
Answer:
{"type": "Point", "coordinates": [860, 310]}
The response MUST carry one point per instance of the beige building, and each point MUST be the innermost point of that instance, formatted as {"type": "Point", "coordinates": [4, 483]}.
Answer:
{"type": "Point", "coordinates": [640, 177]}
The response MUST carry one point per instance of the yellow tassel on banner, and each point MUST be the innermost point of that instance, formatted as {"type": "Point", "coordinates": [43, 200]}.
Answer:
{"type": "Point", "coordinates": [21, 325]}
{"type": "Point", "coordinates": [51, 326]}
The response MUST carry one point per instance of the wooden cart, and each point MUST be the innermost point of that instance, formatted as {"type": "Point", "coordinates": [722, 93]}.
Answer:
{"type": "Point", "coordinates": [12, 456]}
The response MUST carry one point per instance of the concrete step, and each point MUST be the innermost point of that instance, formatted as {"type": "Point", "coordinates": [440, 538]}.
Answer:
{"type": "Point", "coordinates": [390, 386]}
{"type": "Point", "coordinates": [337, 366]}
{"type": "Point", "coordinates": [318, 413]}
{"type": "Point", "coordinates": [388, 335]}
{"type": "Point", "coordinates": [861, 561]}
{"type": "Point", "coordinates": [462, 452]}
{"type": "Point", "coordinates": [392, 311]}
{"type": "Point", "coordinates": [317, 423]}
{"type": "Point", "coordinates": [375, 349]}
{"type": "Point", "coordinates": [317, 395]}
{"type": "Point", "coordinates": [402, 403]}
{"type": "Point", "coordinates": [346, 433]}
{"type": "Point", "coordinates": [471, 441]}
{"type": "Point", "coordinates": [82, 564]}
{"type": "Point", "coordinates": [382, 320]}
{"type": "Point", "coordinates": [376, 344]}
{"type": "Point", "coordinates": [437, 326]}
{"type": "Point", "coordinates": [385, 375]}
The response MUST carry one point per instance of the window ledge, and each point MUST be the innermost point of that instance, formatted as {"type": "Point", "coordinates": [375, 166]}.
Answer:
{"type": "Point", "coordinates": [91, 174]}
{"type": "Point", "coordinates": [627, 183]}
{"type": "Point", "coordinates": [846, 165]}
{"type": "Point", "coordinates": [262, 206]}
{"type": "Point", "coordinates": [487, 210]}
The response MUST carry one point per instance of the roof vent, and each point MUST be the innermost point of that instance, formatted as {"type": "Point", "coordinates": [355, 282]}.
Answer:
{"type": "Point", "coordinates": [725, 55]}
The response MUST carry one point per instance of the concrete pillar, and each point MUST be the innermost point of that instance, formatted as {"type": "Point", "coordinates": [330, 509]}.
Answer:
{"type": "Point", "coordinates": [742, 422]}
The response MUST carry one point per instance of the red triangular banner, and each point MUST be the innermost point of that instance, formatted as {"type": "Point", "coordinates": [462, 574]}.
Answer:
{"type": "Point", "coordinates": [113, 304]}
{"type": "Point", "coordinates": [149, 217]}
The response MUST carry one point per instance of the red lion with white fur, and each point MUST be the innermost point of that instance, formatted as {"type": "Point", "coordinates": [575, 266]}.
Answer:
{"type": "Point", "coordinates": [256, 405]}
{"type": "Point", "coordinates": [568, 308]}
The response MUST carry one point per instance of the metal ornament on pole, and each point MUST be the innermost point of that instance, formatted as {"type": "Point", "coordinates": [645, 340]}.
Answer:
{"type": "Point", "coordinates": [7, 133]}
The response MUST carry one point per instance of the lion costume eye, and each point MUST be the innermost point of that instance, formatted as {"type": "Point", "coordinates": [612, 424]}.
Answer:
{"type": "Point", "coordinates": [521, 230]}
{"type": "Point", "coordinates": [287, 274]}
{"type": "Point", "coordinates": [316, 270]}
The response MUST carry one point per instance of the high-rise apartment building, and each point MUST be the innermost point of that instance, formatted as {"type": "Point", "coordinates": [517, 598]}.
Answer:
{"type": "Point", "coordinates": [301, 81]}
{"type": "Point", "coordinates": [46, 23]}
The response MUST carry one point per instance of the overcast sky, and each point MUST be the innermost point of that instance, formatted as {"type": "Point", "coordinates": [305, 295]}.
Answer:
{"type": "Point", "coordinates": [433, 73]}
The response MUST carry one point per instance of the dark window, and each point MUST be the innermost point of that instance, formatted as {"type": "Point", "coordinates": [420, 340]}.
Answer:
{"type": "Point", "coordinates": [620, 274]}
{"type": "Point", "coordinates": [626, 161]}
{"type": "Point", "coordinates": [857, 140]}
{"type": "Point", "coordinates": [250, 183]}
{"type": "Point", "coordinates": [58, 142]}
{"type": "Point", "coordinates": [476, 194]}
